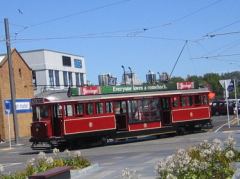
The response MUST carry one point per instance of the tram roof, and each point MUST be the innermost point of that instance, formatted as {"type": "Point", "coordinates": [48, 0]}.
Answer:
{"type": "Point", "coordinates": [54, 96]}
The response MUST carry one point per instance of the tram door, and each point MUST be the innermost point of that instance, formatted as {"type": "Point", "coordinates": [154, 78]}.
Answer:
{"type": "Point", "coordinates": [165, 111]}
{"type": "Point", "coordinates": [56, 119]}
{"type": "Point", "coordinates": [120, 110]}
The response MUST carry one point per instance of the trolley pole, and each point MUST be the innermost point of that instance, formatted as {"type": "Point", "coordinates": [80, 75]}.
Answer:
{"type": "Point", "coordinates": [12, 85]}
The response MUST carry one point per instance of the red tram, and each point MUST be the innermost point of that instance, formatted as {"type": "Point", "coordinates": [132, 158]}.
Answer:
{"type": "Point", "coordinates": [60, 119]}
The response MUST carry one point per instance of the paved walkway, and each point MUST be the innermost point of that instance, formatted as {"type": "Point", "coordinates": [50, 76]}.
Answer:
{"type": "Point", "coordinates": [5, 145]}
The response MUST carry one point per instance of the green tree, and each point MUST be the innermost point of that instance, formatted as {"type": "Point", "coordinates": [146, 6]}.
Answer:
{"type": "Point", "coordinates": [212, 80]}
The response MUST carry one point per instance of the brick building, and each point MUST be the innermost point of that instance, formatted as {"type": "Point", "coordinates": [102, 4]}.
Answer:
{"type": "Point", "coordinates": [24, 92]}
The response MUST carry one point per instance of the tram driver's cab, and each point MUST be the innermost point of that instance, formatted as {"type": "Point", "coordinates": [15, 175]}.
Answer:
{"type": "Point", "coordinates": [40, 128]}
{"type": "Point", "coordinates": [46, 122]}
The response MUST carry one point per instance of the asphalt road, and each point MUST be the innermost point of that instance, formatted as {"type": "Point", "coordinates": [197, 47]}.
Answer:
{"type": "Point", "coordinates": [137, 154]}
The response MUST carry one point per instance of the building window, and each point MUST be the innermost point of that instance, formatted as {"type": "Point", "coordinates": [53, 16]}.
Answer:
{"type": "Point", "coordinates": [77, 79]}
{"type": "Point", "coordinates": [70, 79]}
{"type": "Point", "coordinates": [20, 72]}
{"type": "Point", "coordinates": [51, 79]}
{"type": "Point", "coordinates": [66, 61]}
{"type": "Point", "coordinates": [82, 79]}
{"type": "Point", "coordinates": [77, 63]}
{"type": "Point", "coordinates": [34, 80]}
{"type": "Point", "coordinates": [65, 78]}
{"type": "Point", "coordinates": [57, 77]}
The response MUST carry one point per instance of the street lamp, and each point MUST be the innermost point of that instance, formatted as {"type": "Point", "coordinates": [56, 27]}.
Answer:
{"type": "Point", "coordinates": [159, 77]}
{"type": "Point", "coordinates": [124, 75]}
{"type": "Point", "coordinates": [131, 76]}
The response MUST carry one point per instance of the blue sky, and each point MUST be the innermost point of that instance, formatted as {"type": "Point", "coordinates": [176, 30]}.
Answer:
{"type": "Point", "coordinates": [143, 34]}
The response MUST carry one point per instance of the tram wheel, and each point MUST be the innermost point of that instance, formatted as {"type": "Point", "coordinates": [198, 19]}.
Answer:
{"type": "Point", "coordinates": [181, 131]}
{"type": "Point", "coordinates": [103, 140]}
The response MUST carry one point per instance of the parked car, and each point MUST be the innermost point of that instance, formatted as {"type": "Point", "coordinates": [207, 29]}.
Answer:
{"type": "Point", "coordinates": [219, 107]}
{"type": "Point", "coordinates": [236, 108]}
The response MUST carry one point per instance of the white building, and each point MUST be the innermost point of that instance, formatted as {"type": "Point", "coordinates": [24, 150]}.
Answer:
{"type": "Point", "coordinates": [55, 70]}
{"type": "Point", "coordinates": [129, 78]}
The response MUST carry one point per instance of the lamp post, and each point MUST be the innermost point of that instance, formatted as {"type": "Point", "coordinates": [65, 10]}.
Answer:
{"type": "Point", "coordinates": [131, 76]}
{"type": "Point", "coordinates": [159, 77]}
{"type": "Point", "coordinates": [124, 75]}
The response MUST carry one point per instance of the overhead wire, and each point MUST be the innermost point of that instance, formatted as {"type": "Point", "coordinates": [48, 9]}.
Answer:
{"type": "Point", "coordinates": [72, 14]}
{"type": "Point", "coordinates": [184, 16]}
{"type": "Point", "coordinates": [134, 31]}
{"type": "Point", "coordinates": [216, 56]}
{"type": "Point", "coordinates": [96, 37]}
{"type": "Point", "coordinates": [211, 33]}
{"type": "Point", "coordinates": [222, 34]}
{"type": "Point", "coordinates": [222, 27]}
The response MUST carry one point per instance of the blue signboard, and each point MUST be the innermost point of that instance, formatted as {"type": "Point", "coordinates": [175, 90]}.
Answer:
{"type": "Point", "coordinates": [22, 106]}
{"type": "Point", "coordinates": [230, 87]}
{"type": "Point", "coordinates": [77, 63]}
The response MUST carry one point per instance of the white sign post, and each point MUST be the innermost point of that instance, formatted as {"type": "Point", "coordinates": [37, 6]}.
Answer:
{"type": "Point", "coordinates": [225, 84]}
{"type": "Point", "coordinates": [226, 98]}
{"type": "Point", "coordinates": [9, 128]}
{"type": "Point", "coordinates": [236, 101]}
{"type": "Point", "coordinates": [8, 111]}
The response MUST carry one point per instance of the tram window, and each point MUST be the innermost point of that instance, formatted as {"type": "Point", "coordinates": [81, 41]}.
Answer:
{"type": "Point", "coordinates": [89, 109]}
{"type": "Point", "coordinates": [147, 109]}
{"type": "Point", "coordinates": [99, 108]}
{"type": "Point", "coordinates": [123, 108]}
{"type": "Point", "coordinates": [135, 110]}
{"type": "Point", "coordinates": [190, 100]}
{"type": "Point", "coordinates": [132, 109]}
{"type": "Point", "coordinates": [183, 101]}
{"type": "Point", "coordinates": [175, 101]}
{"type": "Point", "coordinates": [165, 103]}
{"type": "Point", "coordinates": [79, 109]}
{"type": "Point", "coordinates": [155, 114]}
{"type": "Point", "coordinates": [44, 111]}
{"type": "Point", "coordinates": [68, 110]}
{"type": "Point", "coordinates": [40, 112]}
{"type": "Point", "coordinates": [204, 99]}
{"type": "Point", "coordinates": [197, 100]}
{"type": "Point", "coordinates": [117, 108]}
{"type": "Point", "coordinates": [120, 107]}
{"type": "Point", "coordinates": [57, 111]}
{"type": "Point", "coordinates": [150, 110]}
{"type": "Point", "coordinates": [108, 107]}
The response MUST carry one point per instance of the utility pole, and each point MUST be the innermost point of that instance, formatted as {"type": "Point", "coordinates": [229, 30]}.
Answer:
{"type": "Point", "coordinates": [11, 78]}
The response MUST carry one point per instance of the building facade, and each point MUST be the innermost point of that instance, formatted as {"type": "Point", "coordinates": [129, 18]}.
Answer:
{"type": "Point", "coordinates": [107, 80]}
{"type": "Point", "coordinates": [55, 70]}
{"type": "Point", "coordinates": [22, 75]}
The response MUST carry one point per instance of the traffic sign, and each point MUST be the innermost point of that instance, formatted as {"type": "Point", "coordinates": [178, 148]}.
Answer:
{"type": "Point", "coordinates": [230, 87]}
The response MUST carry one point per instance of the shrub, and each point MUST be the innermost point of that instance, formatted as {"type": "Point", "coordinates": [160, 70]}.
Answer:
{"type": "Point", "coordinates": [43, 163]}
{"type": "Point", "coordinates": [206, 160]}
